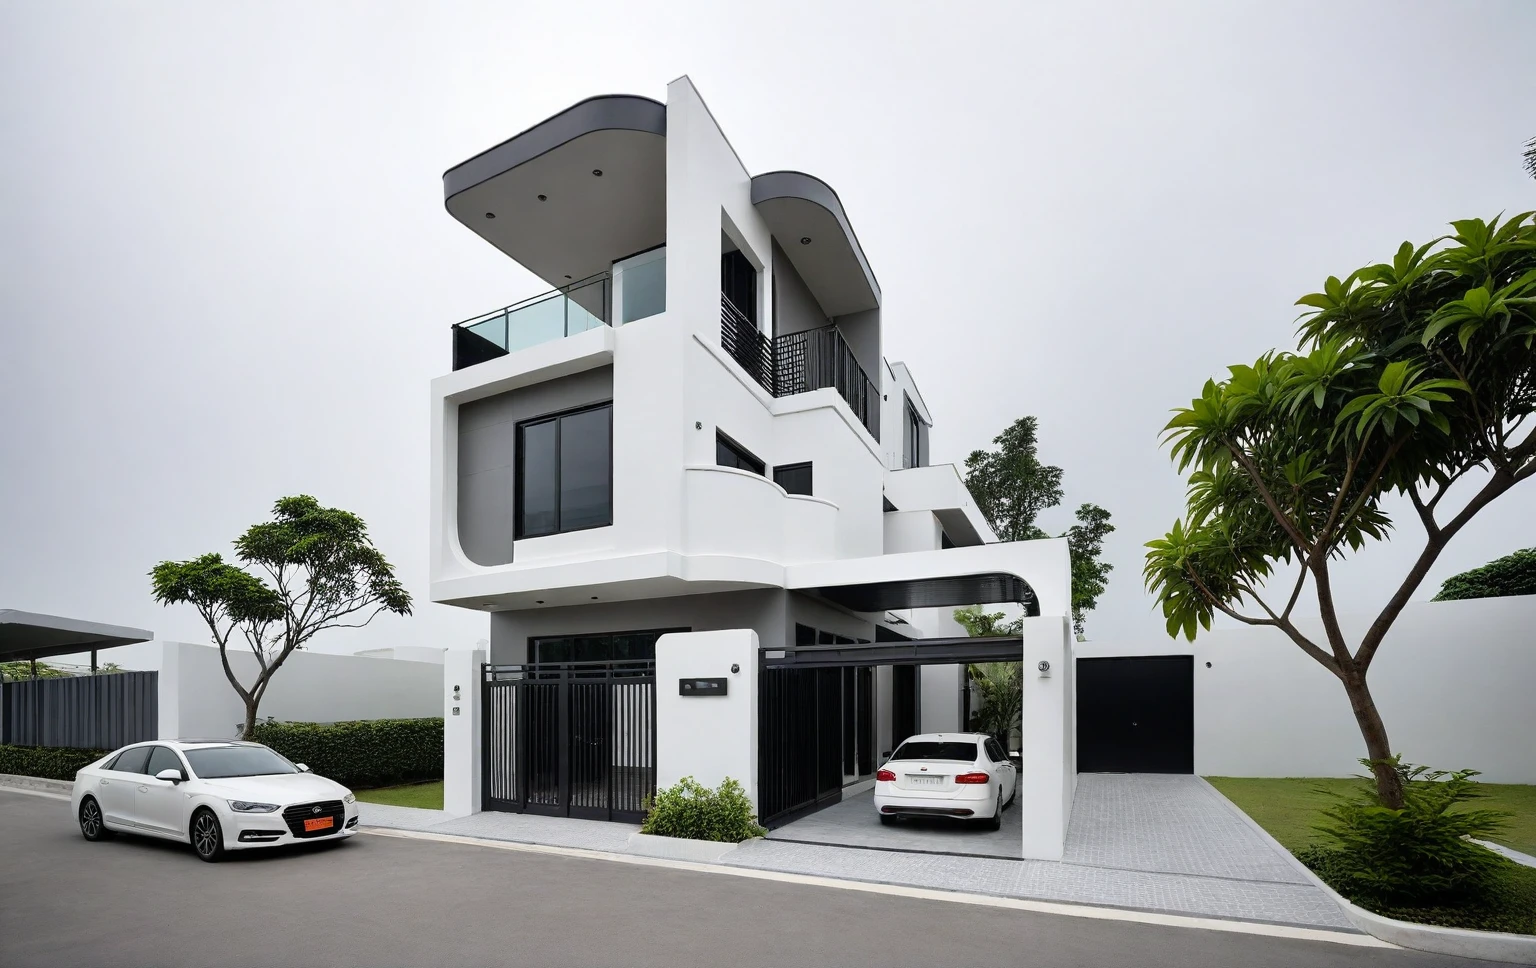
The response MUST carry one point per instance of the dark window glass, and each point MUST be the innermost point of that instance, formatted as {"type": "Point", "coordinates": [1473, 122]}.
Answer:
{"type": "Point", "coordinates": [804, 635]}
{"type": "Point", "coordinates": [161, 758]}
{"type": "Point", "coordinates": [586, 457]}
{"type": "Point", "coordinates": [794, 478]}
{"type": "Point", "coordinates": [214, 762]}
{"type": "Point", "coordinates": [913, 456]}
{"type": "Point", "coordinates": [565, 472]}
{"type": "Point", "coordinates": [598, 647]}
{"type": "Point", "coordinates": [131, 761]}
{"type": "Point", "coordinates": [932, 750]}
{"type": "Point", "coordinates": [944, 541]}
{"type": "Point", "coordinates": [825, 638]}
{"type": "Point", "coordinates": [538, 475]}
{"type": "Point", "coordinates": [728, 453]}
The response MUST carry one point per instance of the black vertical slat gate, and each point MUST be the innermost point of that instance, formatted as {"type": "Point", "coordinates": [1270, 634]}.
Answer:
{"type": "Point", "coordinates": [573, 739]}
{"type": "Point", "coordinates": [800, 747]}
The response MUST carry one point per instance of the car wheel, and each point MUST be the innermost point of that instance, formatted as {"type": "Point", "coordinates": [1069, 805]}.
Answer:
{"type": "Point", "coordinates": [887, 820]}
{"type": "Point", "coordinates": [92, 826]}
{"type": "Point", "coordinates": [995, 822]}
{"type": "Point", "coordinates": [207, 836]}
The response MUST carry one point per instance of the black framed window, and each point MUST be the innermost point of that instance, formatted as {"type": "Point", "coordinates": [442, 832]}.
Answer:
{"type": "Point", "coordinates": [914, 439]}
{"type": "Point", "coordinates": [728, 453]}
{"type": "Point", "coordinates": [565, 472]}
{"type": "Point", "coordinates": [794, 478]}
{"type": "Point", "coordinates": [597, 647]}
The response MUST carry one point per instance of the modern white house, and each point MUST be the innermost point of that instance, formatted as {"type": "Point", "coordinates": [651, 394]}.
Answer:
{"type": "Point", "coordinates": [698, 432]}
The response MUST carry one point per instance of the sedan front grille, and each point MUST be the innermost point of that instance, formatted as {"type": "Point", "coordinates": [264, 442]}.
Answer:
{"type": "Point", "coordinates": [295, 816]}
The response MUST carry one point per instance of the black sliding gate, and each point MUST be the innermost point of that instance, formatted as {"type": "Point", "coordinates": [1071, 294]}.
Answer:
{"type": "Point", "coordinates": [815, 727]}
{"type": "Point", "coordinates": [573, 739]}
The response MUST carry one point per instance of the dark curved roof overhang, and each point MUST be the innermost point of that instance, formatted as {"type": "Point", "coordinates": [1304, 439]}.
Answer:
{"type": "Point", "coordinates": [797, 205]}
{"type": "Point", "coordinates": [605, 112]}
{"type": "Point", "coordinates": [956, 590]}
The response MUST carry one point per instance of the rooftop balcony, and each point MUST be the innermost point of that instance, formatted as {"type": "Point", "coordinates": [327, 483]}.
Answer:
{"type": "Point", "coordinates": [554, 315]}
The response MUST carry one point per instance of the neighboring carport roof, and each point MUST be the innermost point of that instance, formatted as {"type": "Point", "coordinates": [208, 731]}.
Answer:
{"type": "Point", "coordinates": [28, 635]}
{"type": "Point", "coordinates": [932, 593]}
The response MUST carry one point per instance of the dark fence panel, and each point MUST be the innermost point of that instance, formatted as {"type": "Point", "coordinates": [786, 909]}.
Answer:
{"type": "Point", "coordinates": [83, 712]}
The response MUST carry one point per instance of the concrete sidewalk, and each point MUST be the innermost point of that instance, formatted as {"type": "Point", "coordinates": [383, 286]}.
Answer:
{"type": "Point", "coordinates": [1167, 844]}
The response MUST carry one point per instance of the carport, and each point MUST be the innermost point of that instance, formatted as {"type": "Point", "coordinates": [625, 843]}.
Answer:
{"type": "Point", "coordinates": [799, 801]}
{"type": "Point", "coordinates": [94, 711]}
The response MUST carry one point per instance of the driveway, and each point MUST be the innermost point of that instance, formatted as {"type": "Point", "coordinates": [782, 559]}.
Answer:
{"type": "Point", "coordinates": [854, 823]}
{"type": "Point", "coordinates": [387, 901]}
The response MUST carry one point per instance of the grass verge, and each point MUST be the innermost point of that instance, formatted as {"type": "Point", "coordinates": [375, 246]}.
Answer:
{"type": "Point", "coordinates": [428, 796]}
{"type": "Point", "coordinates": [1289, 807]}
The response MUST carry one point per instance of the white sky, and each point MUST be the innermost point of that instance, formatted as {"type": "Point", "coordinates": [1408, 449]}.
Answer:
{"type": "Point", "coordinates": [227, 274]}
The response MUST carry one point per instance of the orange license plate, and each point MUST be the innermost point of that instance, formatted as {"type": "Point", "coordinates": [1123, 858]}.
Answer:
{"type": "Point", "coordinates": [319, 823]}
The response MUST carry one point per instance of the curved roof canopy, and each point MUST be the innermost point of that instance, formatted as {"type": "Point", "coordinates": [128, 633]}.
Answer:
{"type": "Point", "coordinates": [539, 197]}
{"type": "Point", "coordinates": [28, 635]}
{"type": "Point", "coordinates": [953, 590]}
{"type": "Point", "coordinates": [807, 218]}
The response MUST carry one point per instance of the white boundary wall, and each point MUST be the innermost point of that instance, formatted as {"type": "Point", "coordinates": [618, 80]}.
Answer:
{"type": "Point", "coordinates": [197, 701]}
{"type": "Point", "coordinates": [1455, 683]}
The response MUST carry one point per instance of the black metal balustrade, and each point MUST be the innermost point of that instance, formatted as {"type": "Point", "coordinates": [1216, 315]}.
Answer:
{"type": "Point", "coordinates": [819, 358]}
{"type": "Point", "coordinates": [740, 337]}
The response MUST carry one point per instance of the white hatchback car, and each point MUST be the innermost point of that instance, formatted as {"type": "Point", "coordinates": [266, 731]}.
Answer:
{"type": "Point", "coordinates": [961, 775]}
{"type": "Point", "coordinates": [217, 795]}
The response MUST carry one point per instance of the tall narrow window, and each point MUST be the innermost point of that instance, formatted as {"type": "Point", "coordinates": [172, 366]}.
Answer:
{"type": "Point", "coordinates": [565, 472]}
{"type": "Point", "coordinates": [914, 440]}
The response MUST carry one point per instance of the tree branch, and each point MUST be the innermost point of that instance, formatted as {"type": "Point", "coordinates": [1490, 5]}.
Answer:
{"type": "Point", "coordinates": [1252, 471]}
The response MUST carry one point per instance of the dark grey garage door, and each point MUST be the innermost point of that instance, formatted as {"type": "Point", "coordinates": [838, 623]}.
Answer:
{"type": "Point", "coordinates": [1136, 715]}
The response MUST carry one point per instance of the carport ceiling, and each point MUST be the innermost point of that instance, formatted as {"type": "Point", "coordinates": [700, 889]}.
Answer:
{"type": "Point", "coordinates": [936, 651]}
{"type": "Point", "coordinates": [955, 590]}
{"type": "Point", "coordinates": [28, 635]}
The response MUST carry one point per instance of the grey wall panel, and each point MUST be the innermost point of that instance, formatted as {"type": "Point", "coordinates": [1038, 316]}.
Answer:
{"type": "Point", "coordinates": [82, 712]}
{"type": "Point", "coordinates": [487, 455]}
{"type": "Point", "coordinates": [795, 310]}
{"type": "Point", "coordinates": [862, 332]}
{"type": "Point", "coordinates": [763, 611]}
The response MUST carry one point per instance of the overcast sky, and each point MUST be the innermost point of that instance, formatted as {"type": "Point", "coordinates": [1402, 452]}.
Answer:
{"type": "Point", "coordinates": [226, 273]}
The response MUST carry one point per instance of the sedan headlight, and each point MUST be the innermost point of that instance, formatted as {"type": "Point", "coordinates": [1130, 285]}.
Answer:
{"type": "Point", "coordinates": [245, 806]}
{"type": "Point", "coordinates": [350, 797]}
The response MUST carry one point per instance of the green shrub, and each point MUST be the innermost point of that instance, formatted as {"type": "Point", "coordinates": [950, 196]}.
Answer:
{"type": "Point", "coordinates": [49, 762]}
{"type": "Point", "coordinates": [1418, 855]}
{"type": "Point", "coordinates": [1506, 901]}
{"type": "Point", "coordinates": [362, 754]}
{"type": "Point", "coordinates": [691, 809]}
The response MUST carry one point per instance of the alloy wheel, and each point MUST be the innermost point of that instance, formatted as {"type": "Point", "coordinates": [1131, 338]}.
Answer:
{"type": "Point", "coordinates": [90, 820]}
{"type": "Point", "coordinates": [205, 835]}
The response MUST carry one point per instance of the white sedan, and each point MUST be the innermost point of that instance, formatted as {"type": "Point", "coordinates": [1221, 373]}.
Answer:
{"type": "Point", "coordinates": [217, 795]}
{"type": "Point", "coordinates": [962, 775]}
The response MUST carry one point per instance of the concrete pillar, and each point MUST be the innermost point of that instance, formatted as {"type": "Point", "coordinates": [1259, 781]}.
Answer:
{"type": "Point", "coordinates": [461, 731]}
{"type": "Point", "coordinates": [707, 736]}
{"type": "Point", "coordinates": [1048, 770]}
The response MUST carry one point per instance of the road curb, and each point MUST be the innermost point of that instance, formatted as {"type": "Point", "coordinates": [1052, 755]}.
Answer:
{"type": "Point", "coordinates": [17, 782]}
{"type": "Point", "coordinates": [1518, 949]}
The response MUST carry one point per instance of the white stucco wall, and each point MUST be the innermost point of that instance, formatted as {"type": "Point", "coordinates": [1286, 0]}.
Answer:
{"type": "Point", "coordinates": [1455, 683]}
{"type": "Point", "coordinates": [1048, 752]}
{"type": "Point", "coordinates": [707, 737]}
{"type": "Point", "coordinates": [196, 699]}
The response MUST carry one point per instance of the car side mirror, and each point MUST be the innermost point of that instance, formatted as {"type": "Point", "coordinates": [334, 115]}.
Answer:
{"type": "Point", "coordinates": [302, 767]}
{"type": "Point", "coordinates": [170, 773]}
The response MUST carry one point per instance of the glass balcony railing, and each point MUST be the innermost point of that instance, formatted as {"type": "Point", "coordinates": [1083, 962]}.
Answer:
{"type": "Point", "coordinates": [565, 312]}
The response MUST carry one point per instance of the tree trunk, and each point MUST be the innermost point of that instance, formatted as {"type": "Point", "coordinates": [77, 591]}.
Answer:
{"type": "Point", "coordinates": [1389, 786]}
{"type": "Point", "coordinates": [250, 720]}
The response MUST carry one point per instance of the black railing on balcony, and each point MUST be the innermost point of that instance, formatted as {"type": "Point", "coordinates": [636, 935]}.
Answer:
{"type": "Point", "coordinates": [818, 358]}
{"type": "Point", "coordinates": [740, 337]}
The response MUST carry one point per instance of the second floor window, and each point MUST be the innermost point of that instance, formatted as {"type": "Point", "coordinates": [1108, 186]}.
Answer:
{"type": "Point", "coordinates": [914, 440]}
{"type": "Point", "coordinates": [794, 478]}
{"type": "Point", "coordinates": [565, 472]}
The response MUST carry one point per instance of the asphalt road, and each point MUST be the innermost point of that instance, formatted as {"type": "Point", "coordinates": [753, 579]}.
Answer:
{"type": "Point", "coordinates": [387, 901]}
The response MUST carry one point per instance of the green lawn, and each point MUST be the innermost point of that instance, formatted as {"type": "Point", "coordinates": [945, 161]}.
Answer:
{"type": "Point", "coordinates": [428, 796]}
{"type": "Point", "coordinates": [1288, 808]}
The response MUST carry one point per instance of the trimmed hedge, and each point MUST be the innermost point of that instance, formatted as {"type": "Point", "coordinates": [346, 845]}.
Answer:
{"type": "Point", "coordinates": [49, 762]}
{"type": "Point", "coordinates": [362, 754]}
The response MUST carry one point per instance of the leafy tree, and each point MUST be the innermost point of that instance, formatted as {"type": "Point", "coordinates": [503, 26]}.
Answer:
{"type": "Point", "coordinates": [1011, 487]}
{"type": "Point", "coordinates": [1510, 575]}
{"type": "Point", "coordinates": [318, 570]}
{"type": "Point", "coordinates": [1530, 157]}
{"type": "Point", "coordinates": [1000, 685]}
{"type": "Point", "coordinates": [1413, 374]}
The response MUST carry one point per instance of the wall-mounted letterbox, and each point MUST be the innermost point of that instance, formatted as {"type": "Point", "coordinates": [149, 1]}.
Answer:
{"type": "Point", "coordinates": [701, 687]}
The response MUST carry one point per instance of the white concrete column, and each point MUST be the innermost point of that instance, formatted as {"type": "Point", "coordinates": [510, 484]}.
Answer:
{"type": "Point", "coordinates": [168, 690]}
{"type": "Point", "coordinates": [461, 731]}
{"type": "Point", "coordinates": [707, 737]}
{"type": "Point", "coordinates": [1048, 771]}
